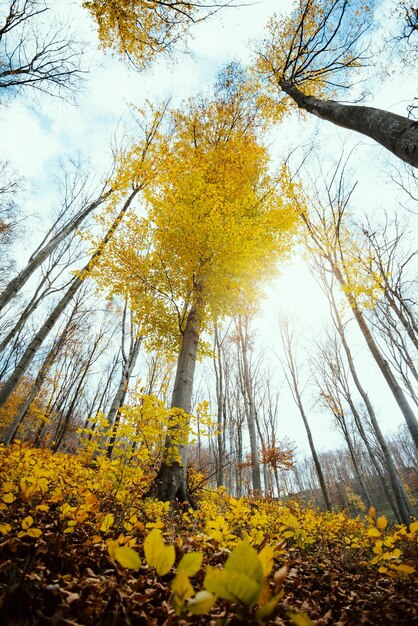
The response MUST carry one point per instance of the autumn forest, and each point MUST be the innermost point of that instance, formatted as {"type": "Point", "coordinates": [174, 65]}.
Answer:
{"type": "Point", "coordinates": [179, 442]}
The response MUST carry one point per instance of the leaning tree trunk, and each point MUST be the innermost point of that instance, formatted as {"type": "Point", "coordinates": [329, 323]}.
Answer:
{"type": "Point", "coordinates": [314, 453]}
{"type": "Point", "coordinates": [30, 352]}
{"type": "Point", "coordinates": [388, 460]}
{"type": "Point", "coordinates": [39, 257]}
{"type": "Point", "coordinates": [394, 132]}
{"type": "Point", "coordinates": [171, 481]}
{"type": "Point", "coordinates": [383, 365]}
{"type": "Point", "coordinates": [294, 387]}
{"type": "Point", "coordinates": [44, 369]}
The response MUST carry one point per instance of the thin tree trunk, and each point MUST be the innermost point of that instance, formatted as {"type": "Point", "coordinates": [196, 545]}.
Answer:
{"type": "Point", "coordinates": [30, 352]}
{"type": "Point", "coordinates": [220, 399]}
{"type": "Point", "coordinates": [114, 414]}
{"type": "Point", "coordinates": [389, 463]}
{"type": "Point", "coordinates": [394, 132]}
{"type": "Point", "coordinates": [45, 367]}
{"type": "Point", "coordinates": [294, 387]}
{"type": "Point", "coordinates": [393, 384]}
{"type": "Point", "coordinates": [248, 393]}
{"type": "Point", "coordinates": [39, 257]}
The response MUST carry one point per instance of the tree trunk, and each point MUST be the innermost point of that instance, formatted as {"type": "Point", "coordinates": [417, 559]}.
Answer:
{"type": "Point", "coordinates": [394, 132]}
{"type": "Point", "coordinates": [220, 400]}
{"type": "Point", "coordinates": [30, 352]}
{"type": "Point", "coordinates": [249, 402]}
{"type": "Point", "coordinates": [45, 367]}
{"type": "Point", "coordinates": [393, 384]}
{"type": "Point", "coordinates": [170, 483]}
{"type": "Point", "coordinates": [113, 417]}
{"type": "Point", "coordinates": [314, 454]}
{"type": "Point", "coordinates": [39, 257]}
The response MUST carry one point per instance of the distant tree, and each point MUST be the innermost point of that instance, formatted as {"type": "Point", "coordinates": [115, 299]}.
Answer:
{"type": "Point", "coordinates": [329, 235]}
{"type": "Point", "coordinates": [9, 218]}
{"type": "Point", "coordinates": [292, 373]}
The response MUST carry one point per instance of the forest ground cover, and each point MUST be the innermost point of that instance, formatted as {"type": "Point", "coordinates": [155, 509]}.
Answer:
{"type": "Point", "coordinates": [73, 531]}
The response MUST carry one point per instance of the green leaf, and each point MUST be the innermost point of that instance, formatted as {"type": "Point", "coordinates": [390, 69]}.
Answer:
{"type": "Point", "coordinates": [215, 582]}
{"type": "Point", "coordinates": [127, 557]}
{"type": "Point", "coordinates": [201, 603]}
{"type": "Point", "coordinates": [243, 589]}
{"type": "Point", "coordinates": [190, 563]}
{"type": "Point", "coordinates": [244, 560]}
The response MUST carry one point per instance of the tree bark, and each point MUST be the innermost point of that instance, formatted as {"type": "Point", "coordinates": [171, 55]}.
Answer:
{"type": "Point", "coordinates": [249, 402]}
{"type": "Point", "coordinates": [394, 132]}
{"type": "Point", "coordinates": [294, 386]}
{"type": "Point", "coordinates": [170, 483]}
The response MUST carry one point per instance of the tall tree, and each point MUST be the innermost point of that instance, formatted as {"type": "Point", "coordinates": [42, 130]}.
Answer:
{"type": "Point", "coordinates": [293, 378]}
{"type": "Point", "coordinates": [329, 236]}
{"type": "Point", "coordinates": [137, 168]}
{"type": "Point", "coordinates": [216, 224]}
{"type": "Point", "coordinates": [307, 57]}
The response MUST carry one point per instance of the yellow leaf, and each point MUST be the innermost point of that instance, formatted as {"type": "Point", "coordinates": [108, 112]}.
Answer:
{"type": "Point", "coordinates": [107, 522]}
{"type": "Point", "coordinates": [244, 560]}
{"type": "Point", "coordinates": [8, 498]}
{"type": "Point", "coordinates": [27, 522]}
{"type": "Point", "coordinates": [5, 528]}
{"type": "Point", "coordinates": [231, 585]}
{"type": "Point", "coordinates": [42, 507]}
{"type": "Point", "coordinates": [381, 522]}
{"type": "Point", "coordinates": [266, 556]}
{"type": "Point", "coordinates": [127, 557]}
{"type": "Point", "coordinates": [268, 607]}
{"type": "Point", "coordinates": [153, 545]}
{"type": "Point", "coordinates": [201, 603]}
{"type": "Point", "coordinates": [182, 590]}
{"type": "Point", "coordinates": [407, 569]}
{"type": "Point", "coordinates": [157, 554]}
{"type": "Point", "coordinates": [34, 532]}
{"type": "Point", "coordinates": [372, 512]}
{"type": "Point", "coordinates": [373, 532]}
{"type": "Point", "coordinates": [190, 563]}
{"type": "Point", "coordinates": [413, 528]}
{"type": "Point", "coordinates": [299, 618]}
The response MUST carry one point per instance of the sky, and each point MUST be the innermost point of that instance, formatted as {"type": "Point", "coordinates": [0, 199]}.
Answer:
{"type": "Point", "coordinates": [36, 132]}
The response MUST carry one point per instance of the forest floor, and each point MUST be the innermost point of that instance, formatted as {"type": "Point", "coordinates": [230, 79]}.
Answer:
{"type": "Point", "coordinates": [72, 553]}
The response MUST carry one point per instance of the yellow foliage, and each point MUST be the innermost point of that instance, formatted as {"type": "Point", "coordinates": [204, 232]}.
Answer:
{"type": "Point", "coordinates": [140, 30]}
